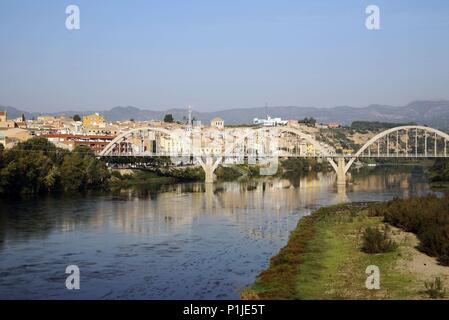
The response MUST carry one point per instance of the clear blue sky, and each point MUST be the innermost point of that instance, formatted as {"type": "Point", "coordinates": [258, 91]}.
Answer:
{"type": "Point", "coordinates": [221, 54]}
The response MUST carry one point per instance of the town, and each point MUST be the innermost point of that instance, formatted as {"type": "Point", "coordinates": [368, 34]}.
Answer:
{"type": "Point", "coordinates": [96, 132]}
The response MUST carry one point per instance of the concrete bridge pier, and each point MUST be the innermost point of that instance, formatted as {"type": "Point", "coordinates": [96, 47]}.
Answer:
{"type": "Point", "coordinates": [341, 172]}
{"type": "Point", "coordinates": [340, 169]}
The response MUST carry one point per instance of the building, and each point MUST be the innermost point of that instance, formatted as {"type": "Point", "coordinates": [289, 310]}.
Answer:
{"type": "Point", "coordinates": [93, 120]}
{"type": "Point", "coordinates": [3, 117]}
{"type": "Point", "coordinates": [46, 118]}
{"type": "Point", "coordinates": [4, 122]}
{"type": "Point", "coordinates": [270, 122]}
{"type": "Point", "coordinates": [293, 123]}
{"type": "Point", "coordinates": [10, 137]}
{"type": "Point", "coordinates": [217, 123]}
{"type": "Point", "coordinates": [69, 141]}
{"type": "Point", "coordinates": [334, 125]}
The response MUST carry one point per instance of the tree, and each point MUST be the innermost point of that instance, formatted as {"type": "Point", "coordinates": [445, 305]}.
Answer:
{"type": "Point", "coordinates": [439, 172]}
{"type": "Point", "coordinates": [37, 166]}
{"type": "Point", "coordinates": [169, 118]}
{"type": "Point", "coordinates": [76, 117]}
{"type": "Point", "coordinates": [72, 172]}
{"type": "Point", "coordinates": [310, 122]}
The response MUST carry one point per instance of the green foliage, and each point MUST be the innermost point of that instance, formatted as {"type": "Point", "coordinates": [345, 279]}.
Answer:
{"type": "Point", "coordinates": [186, 174]}
{"type": "Point", "coordinates": [297, 165]}
{"type": "Point", "coordinates": [375, 125]}
{"type": "Point", "coordinates": [227, 173]}
{"type": "Point", "coordinates": [141, 179]}
{"type": "Point", "coordinates": [377, 241]}
{"type": "Point", "coordinates": [427, 217]}
{"type": "Point", "coordinates": [37, 166]}
{"type": "Point", "coordinates": [439, 172]}
{"type": "Point", "coordinates": [143, 162]}
{"type": "Point", "coordinates": [294, 167]}
{"type": "Point", "coordinates": [435, 288]}
{"type": "Point", "coordinates": [76, 117]}
{"type": "Point", "coordinates": [310, 122]}
{"type": "Point", "coordinates": [169, 118]}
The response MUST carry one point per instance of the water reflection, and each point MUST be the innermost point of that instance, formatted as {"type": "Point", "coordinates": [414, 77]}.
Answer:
{"type": "Point", "coordinates": [169, 241]}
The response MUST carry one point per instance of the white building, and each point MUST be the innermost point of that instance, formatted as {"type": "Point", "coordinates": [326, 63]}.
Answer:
{"type": "Point", "coordinates": [217, 123]}
{"type": "Point", "coordinates": [270, 122]}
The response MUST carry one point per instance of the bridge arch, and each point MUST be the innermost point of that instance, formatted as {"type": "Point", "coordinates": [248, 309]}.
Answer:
{"type": "Point", "coordinates": [117, 140]}
{"type": "Point", "coordinates": [326, 153]}
{"type": "Point", "coordinates": [209, 164]}
{"type": "Point", "coordinates": [120, 138]}
{"type": "Point", "coordinates": [389, 131]}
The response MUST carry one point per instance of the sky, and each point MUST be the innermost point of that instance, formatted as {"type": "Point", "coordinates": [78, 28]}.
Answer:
{"type": "Point", "coordinates": [218, 55]}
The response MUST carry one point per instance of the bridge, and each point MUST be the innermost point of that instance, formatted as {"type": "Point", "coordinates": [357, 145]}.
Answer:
{"type": "Point", "coordinates": [264, 146]}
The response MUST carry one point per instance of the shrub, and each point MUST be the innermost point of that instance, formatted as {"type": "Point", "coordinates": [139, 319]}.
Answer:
{"type": "Point", "coordinates": [435, 288]}
{"type": "Point", "coordinates": [427, 217]}
{"type": "Point", "coordinates": [37, 166]}
{"type": "Point", "coordinates": [377, 241]}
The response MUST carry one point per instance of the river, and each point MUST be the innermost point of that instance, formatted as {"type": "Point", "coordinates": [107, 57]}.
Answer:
{"type": "Point", "coordinates": [181, 241]}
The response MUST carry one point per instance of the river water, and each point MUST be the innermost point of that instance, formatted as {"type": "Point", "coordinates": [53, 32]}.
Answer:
{"type": "Point", "coordinates": [182, 241]}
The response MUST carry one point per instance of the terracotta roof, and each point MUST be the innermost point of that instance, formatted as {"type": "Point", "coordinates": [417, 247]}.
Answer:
{"type": "Point", "coordinates": [61, 135]}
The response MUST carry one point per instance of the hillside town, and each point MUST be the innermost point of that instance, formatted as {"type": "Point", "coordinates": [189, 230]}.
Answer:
{"type": "Point", "coordinates": [97, 132]}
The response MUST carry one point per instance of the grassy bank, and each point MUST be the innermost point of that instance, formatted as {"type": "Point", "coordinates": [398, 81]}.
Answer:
{"type": "Point", "coordinates": [323, 260]}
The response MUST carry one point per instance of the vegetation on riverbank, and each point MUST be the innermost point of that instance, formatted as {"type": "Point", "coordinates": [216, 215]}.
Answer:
{"type": "Point", "coordinates": [141, 178]}
{"type": "Point", "coordinates": [37, 166]}
{"type": "Point", "coordinates": [325, 259]}
{"type": "Point", "coordinates": [439, 174]}
{"type": "Point", "coordinates": [427, 217]}
{"type": "Point", "coordinates": [286, 168]}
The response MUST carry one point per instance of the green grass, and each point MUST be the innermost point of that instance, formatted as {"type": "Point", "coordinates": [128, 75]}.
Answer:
{"type": "Point", "coordinates": [323, 260]}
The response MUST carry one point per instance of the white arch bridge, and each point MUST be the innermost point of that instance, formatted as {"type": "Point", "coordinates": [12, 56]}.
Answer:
{"type": "Point", "coordinates": [211, 148]}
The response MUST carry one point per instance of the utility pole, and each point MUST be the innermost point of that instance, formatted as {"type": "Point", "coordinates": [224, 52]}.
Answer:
{"type": "Point", "coordinates": [190, 115]}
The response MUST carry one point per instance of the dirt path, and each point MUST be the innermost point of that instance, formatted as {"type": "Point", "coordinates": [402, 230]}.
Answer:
{"type": "Point", "coordinates": [423, 267]}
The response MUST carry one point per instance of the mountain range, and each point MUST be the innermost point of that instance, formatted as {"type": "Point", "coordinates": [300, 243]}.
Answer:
{"type": "Point", "coordinates": [431, 113]}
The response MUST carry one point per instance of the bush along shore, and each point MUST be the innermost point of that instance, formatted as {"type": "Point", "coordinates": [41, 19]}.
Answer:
{"type": "Point", "coordinates": [328, 253]}
{"type": "Point", "coordinates": [439, 174]}
{"type": "Point", "coordinates": [37, 166]}
{"type": "Point", "coordinates": [163, 174]}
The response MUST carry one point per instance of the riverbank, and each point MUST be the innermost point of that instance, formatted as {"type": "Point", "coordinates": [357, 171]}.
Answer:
{"type": "Point", "coordinates": [439, 174]}
{"type": "Point", "coordinates": [323, 260]}
{"type": "Point", "coordinates": [289, 168]}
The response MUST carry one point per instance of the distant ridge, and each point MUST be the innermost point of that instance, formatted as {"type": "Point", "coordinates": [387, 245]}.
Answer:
{"type": "Point", "coordinates": [431, 113]}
